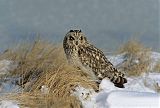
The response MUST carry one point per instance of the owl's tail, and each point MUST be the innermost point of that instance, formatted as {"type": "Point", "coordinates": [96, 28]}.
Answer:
{"type": "Point", "coordinates": [118, 79]}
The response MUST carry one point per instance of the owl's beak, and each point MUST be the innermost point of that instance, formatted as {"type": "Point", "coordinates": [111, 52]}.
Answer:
{"type": "Point", "coordinates": [76, 42]}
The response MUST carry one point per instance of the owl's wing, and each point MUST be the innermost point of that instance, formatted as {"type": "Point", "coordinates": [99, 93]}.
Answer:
{"type": "Point", "coordinates": [95, 59]}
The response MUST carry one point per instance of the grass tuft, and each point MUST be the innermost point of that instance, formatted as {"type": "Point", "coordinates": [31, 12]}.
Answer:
{"type": "Point", "coordinates": [38, 100]}
{"type": "Point", "coordinates": [43, 63]}
{"type": "Point", "coordinates": [157, 67]}
{"type": "Point", "coordinates": [137, 58]}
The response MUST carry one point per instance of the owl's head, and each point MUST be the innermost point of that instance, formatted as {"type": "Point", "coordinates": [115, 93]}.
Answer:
{"type": "Point", "coordinates": [75, 38]}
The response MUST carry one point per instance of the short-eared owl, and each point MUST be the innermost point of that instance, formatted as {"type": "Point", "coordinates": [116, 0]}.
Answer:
{"type": "Point", "coordinates": [80, 53]}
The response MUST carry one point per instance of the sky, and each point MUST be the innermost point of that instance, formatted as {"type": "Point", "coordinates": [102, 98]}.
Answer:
{"type": "Point", "coordinates": [106, 23]}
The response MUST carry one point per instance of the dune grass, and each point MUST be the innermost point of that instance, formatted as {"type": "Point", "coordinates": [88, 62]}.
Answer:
{"type": "Point", "coordinates": [157, 67]}
{"type": "Point", "coordinates": [137, 58]}
{"type": "Point", "coordinates": [43, 63]}
{"type": "Point", "coordinates": [39, 100]}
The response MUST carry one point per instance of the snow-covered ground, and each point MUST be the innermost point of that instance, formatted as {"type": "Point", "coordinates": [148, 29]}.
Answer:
{"type": "Point", "coordinates": [139, 92]}
{"type": "Point", "coordinates": [8, 104]}
{"type": "Point", "coordinates": [134, 95]}
{"type": "Point", "coordinates": [6, 66]}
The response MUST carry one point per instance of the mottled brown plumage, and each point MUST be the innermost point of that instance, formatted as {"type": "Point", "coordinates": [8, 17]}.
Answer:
{"type": "Point", "coordinates": [80, 53]}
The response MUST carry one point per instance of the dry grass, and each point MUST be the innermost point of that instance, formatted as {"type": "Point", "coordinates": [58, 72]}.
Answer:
{"type": "Point", "coordinates": [43, 63]}
{"type": "Point", "coordinates": [39, 100]}
{"type": "Point", "coordinates": [157, 67]}
{"type": "Point", "coordinates": [137, 58]}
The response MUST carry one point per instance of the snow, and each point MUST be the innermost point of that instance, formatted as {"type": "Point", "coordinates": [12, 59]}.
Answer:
{"type": "Point", "coordinates": [117, 59]}
{"type": "Point", "coordinates": [8, 104]}
{"type": "Point", "coordinates": [139, 92]}
{"type": "Point", "coordinates": [44, 89]}
{"type": "Point", "coordinates": [113, 97]}
{"type": "Point", "coordinates": [6, 66]}
{"type": "Point", "coordinates": [85, 96]}
{"type": "Point", "coordinates": [7, 84]}
{"type": "Point", "coordinates": [155, 76]}
{"type": "Point", "coordinates": [155, 56]}
{"type": "Point", "coordinates": [129, 99]}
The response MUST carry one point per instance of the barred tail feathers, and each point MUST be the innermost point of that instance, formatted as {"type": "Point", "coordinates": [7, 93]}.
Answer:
{"type": "Point", "coordinates": [118, 79]}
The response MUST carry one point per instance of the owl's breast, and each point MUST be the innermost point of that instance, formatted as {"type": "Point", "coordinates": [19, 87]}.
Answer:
{"type": "Point", "coordinates": [72, 55]}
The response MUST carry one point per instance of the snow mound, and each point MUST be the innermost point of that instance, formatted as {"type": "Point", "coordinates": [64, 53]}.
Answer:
{"type": "Point", "coordinates": [86, 96]}
{"type": "Point", "coordinates": [129, 99]}
{"type": "Point", "coordinates": [110, 86]}
{"type": "Point", "coordinates": [8, 104]}
{"type": "Point", "coordinates": [133, 96]}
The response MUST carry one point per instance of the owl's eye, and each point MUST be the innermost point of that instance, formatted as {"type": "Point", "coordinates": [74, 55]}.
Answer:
{"type": "Point", "coordinates": [81, 38]}
{"type": "Point", "coordinates": [71, 38]}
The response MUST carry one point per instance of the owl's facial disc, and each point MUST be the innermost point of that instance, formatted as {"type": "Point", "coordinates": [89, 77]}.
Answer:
{"type": "Point", "coordinates": [76, 38]}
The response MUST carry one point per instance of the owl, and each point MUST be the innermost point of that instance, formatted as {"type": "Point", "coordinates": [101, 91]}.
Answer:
{"type": "Point", "coordinates": [83, 55]}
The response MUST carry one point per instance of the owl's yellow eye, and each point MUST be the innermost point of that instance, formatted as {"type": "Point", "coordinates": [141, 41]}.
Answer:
{"type": "Point", "coordinates": [71, 38]}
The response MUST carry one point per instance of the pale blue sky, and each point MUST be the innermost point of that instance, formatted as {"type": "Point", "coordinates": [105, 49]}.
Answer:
{"type": "Point", "coordinates": [107, 23]}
